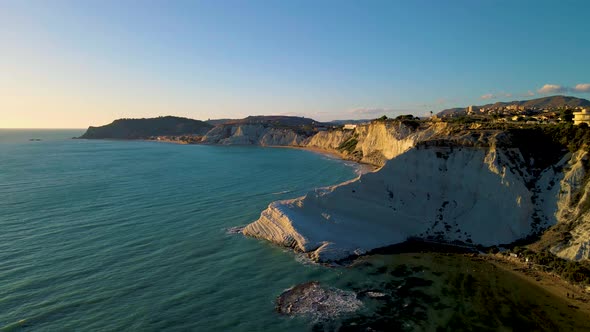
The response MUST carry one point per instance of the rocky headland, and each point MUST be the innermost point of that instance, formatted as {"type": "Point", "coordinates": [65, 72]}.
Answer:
{"type": "Point", "coordinates": [148, 128]}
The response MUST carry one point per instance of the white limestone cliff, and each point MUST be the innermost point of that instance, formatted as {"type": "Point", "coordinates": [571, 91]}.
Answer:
{"type": "Point", "coordinates": [252, 134]}
{"type": "Point", "coordinates": [451, 193]}
{"type": "Point", "coordinates": [439, 181]}
{"type": "Point", "coordinates": [572, 208]}
{"type": "Point", "coordinates": [469, 186]}
{"type": "Point", "coordinates": [372, 143]}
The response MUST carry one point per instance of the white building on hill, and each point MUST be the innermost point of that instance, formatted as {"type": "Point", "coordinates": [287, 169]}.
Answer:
{"type": "Point", "coordinates": [582, 116]}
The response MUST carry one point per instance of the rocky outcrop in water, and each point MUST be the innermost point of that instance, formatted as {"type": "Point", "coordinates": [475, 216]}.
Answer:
{"type": "Point", "coordinates": [311, 300]}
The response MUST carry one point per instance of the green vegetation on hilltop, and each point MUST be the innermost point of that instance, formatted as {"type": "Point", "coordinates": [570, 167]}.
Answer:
{"type": "Point", "coordinates": [575, 272]}
{"type": "Point", "coordinates": [568, 135]}
{"type": "Point", "coordinates": [547, 144]}
{"type": "Point", "coordinates": [543, 144]}
{"type": "Point", "coordinates": [408, 120]}
{"type": "Point", "coordinates": [349, 145]}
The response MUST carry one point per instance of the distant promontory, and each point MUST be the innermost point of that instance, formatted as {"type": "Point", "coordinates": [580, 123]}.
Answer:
{"type": "Point", "coordinates": [145, 128]}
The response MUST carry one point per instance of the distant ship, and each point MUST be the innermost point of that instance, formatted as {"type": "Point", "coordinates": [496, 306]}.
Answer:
{"type": "Point", "coordinates": [35, 139]}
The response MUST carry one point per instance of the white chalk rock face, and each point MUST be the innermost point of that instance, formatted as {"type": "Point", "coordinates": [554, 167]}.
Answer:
{"type": "Point", "coordinates": [385, 140]}
{"type": "Point", "coordinates": [578, 247]}
{"type": "Point", "coordinates": [329, 140]}
{"type": "Point", "coordinates": [376, 142]}
{"type": "Point", "coordinates": [468, 194]}
{"type": "Point", "coordinates": [252, 134]}
{"type": "Point", "coordinates": [573, 176]}
{"type": "Point", "coordinates": [281, 137]}
{"type": "Point", "coordinates": [572, 208]}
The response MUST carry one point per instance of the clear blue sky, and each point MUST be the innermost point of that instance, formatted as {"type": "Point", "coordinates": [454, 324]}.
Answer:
{"type": "Point", "coordinates": [80, 63]}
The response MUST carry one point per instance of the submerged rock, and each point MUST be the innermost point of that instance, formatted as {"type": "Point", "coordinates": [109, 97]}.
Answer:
{"type": "Point", "coordinates": [310, 299]}
{"type": "Point", "coordinates": [235, 230]}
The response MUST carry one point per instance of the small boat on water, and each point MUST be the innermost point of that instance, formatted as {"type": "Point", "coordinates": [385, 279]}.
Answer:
{"type": "Point", "coordinates": [35, 139]}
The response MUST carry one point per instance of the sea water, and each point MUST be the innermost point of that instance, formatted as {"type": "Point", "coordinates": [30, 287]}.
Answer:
{"type": "Point", "coordinates": [132, 235]}
{"type": "Point", "coordinates": [100, 235]}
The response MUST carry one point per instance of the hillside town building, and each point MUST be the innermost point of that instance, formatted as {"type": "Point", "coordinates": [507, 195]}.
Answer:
{"type": "Point", "coordinates": [582, 116]}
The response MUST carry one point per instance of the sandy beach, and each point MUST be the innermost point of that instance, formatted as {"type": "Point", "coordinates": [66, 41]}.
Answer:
{"type": "Point", "coordinates": [364, 167]}
{"type": "Point", "coordinates": [574, 295]}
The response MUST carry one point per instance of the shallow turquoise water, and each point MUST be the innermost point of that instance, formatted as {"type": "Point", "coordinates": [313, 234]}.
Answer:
{"type": "Point", "coordinates": [131, 235]}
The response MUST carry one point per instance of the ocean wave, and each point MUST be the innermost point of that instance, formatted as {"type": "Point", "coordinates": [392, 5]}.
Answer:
{"type": "Point", "coordinates": [282, 192]}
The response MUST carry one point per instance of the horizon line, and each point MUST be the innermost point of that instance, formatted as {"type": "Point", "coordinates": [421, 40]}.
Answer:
{"type": "Point", "coordinates": [41, 128]}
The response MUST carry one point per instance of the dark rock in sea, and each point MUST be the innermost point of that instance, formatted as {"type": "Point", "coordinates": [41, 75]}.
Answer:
{"type": "Point", "coordinates": [235, 230]}
{"type": "Point", "coordinates": [310, 299]}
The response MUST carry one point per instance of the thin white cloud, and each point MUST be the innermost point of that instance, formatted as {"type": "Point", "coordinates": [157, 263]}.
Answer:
{"type": "Point", "coordinates": [582, 87]}
{"type": "Point", "coordinates": [301, 113]}
{"type": "Point", "coordinates": [371, 111]}
{"type": "Point", "coordinates": [488, 96]}
{"type": "Point", "coordinates": [366, 113]}
{"type": "Point", "coordinates": [552, 88]}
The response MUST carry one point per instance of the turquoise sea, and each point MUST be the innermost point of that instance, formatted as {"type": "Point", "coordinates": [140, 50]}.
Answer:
{"type": "Point", "coordinates": [99, 235]}
{"type": "Point", "coordinates": [122, 235]}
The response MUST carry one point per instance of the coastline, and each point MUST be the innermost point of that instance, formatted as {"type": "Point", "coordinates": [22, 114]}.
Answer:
{"type": "Point", "coordinates": [362, 169]}
{"type": "Point", "coordinates": [168, 141]}
{"type": "Point", "coordinates": [575, 296]}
